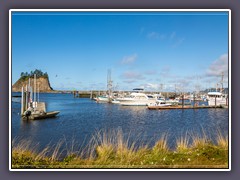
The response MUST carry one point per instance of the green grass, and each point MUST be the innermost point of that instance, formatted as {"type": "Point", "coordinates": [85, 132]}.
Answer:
{"type": "Point", "coordinates": [112, 150]}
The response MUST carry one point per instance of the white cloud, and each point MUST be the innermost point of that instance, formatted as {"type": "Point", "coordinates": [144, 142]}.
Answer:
{"type": "Point", "coordinates": [132, 75]}
{"type": "Point", "coordinates": [156, 35]}
{"type": "Point", "coordinates": [178, 42]}
{"type": "Point", "coordinates": [129, 81]}
{"type": "Point", "coordinates": [129, 59]}
{"type": "Point", "coordinates": [172, 35]}
{"type": "Point", "coordinates": [151, 86]}
{"type": "Point", "coordinates": [151, 72]}
{"type": "Point", "coordinates": [219, 66]}
{"type": "Point", "coordinates": [166, 72]}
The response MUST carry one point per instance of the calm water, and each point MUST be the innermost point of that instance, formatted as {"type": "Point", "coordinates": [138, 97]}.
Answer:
{"type": "Point", "coordinates": [80, 119]}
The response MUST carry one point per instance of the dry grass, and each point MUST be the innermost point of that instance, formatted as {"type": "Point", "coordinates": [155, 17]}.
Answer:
{"type": "Point", "coordinates": [222, 141]}
{"type": "Point", "coordinates": [111, 149]}
{"type": "Point", "coordinates": [182, 143]}
{"type": "Point", "coordinates": [161, 145]}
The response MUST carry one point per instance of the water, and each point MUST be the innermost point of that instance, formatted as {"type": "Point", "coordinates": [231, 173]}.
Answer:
{"type": "Point", "coordinates": [81, 118]}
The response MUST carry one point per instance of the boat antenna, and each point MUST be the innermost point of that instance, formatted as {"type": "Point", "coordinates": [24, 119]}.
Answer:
{"type": "Point", "coordinates": [38, 92]}
{"type": "Point", "coordinates": [109, 84]}
{"type": "Point", "coordinates": [222, 82]}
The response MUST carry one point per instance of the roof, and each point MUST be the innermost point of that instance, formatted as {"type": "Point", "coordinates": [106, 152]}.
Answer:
{"type": "Point", "coordinates": [214, 93]}
{"type": "Point", "coordinates": [138, 89]}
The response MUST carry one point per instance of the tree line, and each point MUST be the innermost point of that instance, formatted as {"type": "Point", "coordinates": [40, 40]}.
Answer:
{"type": "Point", "coordinates": [38, 73]}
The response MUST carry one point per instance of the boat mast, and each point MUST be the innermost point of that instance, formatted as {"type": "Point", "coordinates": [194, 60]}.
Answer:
{"type": "Point", "coordinates": [38, 92]}
{"type": "Point", "coordinates": [109, 85]}
{"type": "Point", "coordinates": [222, 82]}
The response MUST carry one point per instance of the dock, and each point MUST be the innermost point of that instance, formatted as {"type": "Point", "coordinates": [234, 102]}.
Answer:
{"type": "Point", "coordinates": [31, 108]}
{"type": "Point", "coordinates": [180, 107]}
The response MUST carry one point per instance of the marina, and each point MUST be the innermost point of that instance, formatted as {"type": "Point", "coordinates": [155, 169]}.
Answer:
{"type": "Point", "coordinates": [81, 118]}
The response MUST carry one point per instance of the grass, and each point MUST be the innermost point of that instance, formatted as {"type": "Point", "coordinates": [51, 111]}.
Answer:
{"type": "Point", "coordinates": [112, 150]}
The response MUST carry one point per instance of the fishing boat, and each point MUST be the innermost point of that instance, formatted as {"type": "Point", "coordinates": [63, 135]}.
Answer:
{"type": "Point", "coordinates": [40, 115]}
{"type": "Point", "coordinates": [217, 99]}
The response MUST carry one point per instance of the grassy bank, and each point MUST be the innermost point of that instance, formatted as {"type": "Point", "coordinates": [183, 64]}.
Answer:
{"type": "Point", "coordinates": [112, 150]}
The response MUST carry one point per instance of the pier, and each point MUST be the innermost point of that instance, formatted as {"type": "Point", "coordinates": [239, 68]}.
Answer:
{"type": "Point", "coordinates": [181, 107]}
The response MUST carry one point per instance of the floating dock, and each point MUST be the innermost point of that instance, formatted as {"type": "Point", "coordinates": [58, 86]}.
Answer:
{"type": "Point", "coordinates": [181, 107]}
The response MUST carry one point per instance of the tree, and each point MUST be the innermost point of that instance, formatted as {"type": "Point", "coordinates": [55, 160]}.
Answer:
{"type": "Point", "coordinates": [38, 73]}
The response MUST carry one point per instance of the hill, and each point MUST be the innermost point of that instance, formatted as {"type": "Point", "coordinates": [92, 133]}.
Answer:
{"type": "Point", "coordinates": [42, 81]}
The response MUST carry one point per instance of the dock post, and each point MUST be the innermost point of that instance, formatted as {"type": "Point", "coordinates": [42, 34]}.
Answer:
{"type": "Point", "coordinates": [22, 102]}
{"type": "Point", "coordinates": [215, 101]}
{"type": "Point", "coordinates": [193, 100]}
{"type": "Point", "coordinates": [26, 98]}
{"type": "Point", "coordinates": [182, 101]}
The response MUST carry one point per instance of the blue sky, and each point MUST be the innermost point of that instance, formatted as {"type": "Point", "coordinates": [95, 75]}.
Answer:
{"type": "Point", "coordinates": [152, 50]}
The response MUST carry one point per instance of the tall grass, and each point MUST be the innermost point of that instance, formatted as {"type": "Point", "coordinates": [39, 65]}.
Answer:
{"type": "Point", "coordinates": [222, 141]}
{"type": "Point", "coordinates": [182, 143]}
{"type": "Point", "coordinates": [113, 149]}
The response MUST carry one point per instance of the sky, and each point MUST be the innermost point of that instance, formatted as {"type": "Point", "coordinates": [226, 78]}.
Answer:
{"type": "Point", "coordinates": [157, 51]}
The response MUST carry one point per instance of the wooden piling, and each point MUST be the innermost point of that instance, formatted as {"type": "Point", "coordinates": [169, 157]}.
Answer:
{"type": "Point", "coordinates": [193, 100]}
{"type": "Point", "coordinates": [215, 101]}
{"type": "Point", "coordinates": [23, 102]}
{"type": "Point", "coordinates": [182, 101]}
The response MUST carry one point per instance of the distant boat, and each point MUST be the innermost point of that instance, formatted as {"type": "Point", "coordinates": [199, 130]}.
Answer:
{"type": "Point", "coordinates": [104, 99]}
{"type": "Point", "coordinates": [159, 104]}
{"type": "Point", "coordinates": [217, 98]}
{"type": "Point", "coordinates": [136, 99]}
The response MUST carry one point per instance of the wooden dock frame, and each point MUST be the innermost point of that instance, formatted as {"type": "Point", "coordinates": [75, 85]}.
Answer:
{"type": "Point", "coordinates": [180, 107]}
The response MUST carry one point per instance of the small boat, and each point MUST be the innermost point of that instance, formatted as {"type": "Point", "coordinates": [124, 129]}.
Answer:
{"type": "Point", "coordinates": [32, 109]}
{"type": "Point", "coordinates": [159, 104]}
{"type": "Point", "coordinates": [114, 101]}
{"type": "Point", "coordinates": [40, 115]}
{"type": "Point", "coordinates": [104, 99]}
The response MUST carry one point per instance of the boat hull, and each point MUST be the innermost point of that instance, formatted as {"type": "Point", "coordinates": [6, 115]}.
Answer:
{"type": "Point", "coordinates": [41, 115]}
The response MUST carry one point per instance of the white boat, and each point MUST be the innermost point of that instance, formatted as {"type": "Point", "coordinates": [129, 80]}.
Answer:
{"type": "Point", "coordinates": [167, 101]}
{"type": "Point", "coordinates": [217, 98]}
{"type": "Point", "coordinates": [159, 104]}
{"type": "Point", "coordinates": [114, 101]}
{"type": "Point", "coordinates": [136, 99]}
{"type": "Point", "coordinates": [103, 99]}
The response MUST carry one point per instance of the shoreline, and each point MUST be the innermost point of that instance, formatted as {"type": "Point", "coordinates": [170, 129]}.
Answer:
{"type": "Point", "coordinates": [114, 151]}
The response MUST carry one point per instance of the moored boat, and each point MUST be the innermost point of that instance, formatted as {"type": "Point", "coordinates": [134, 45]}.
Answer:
{"type": "Point", "coordinates": [136, 99]}
{"type": "Point", "coordinates": [217, 99]}
{"type": "Point", "coordinates": [40, 115]}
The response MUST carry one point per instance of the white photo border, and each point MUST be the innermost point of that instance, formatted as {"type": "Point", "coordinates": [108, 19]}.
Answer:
{"type": "Point", "coordinates": [118, 10]}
